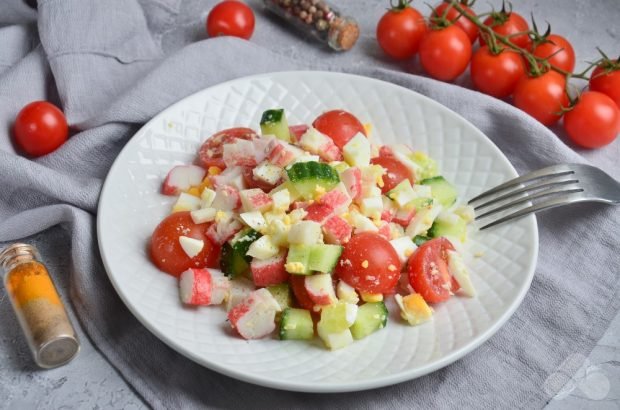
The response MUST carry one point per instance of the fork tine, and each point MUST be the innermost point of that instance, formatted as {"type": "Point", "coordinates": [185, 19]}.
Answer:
{"type": "Point", "coordinates": [532, 187]}
{"type": "Point", "coordinates": [552, 171]}
{"type": "Point", "coordinates": [551, 203]}
{"type": "Point", "coordinates": [541, 194]}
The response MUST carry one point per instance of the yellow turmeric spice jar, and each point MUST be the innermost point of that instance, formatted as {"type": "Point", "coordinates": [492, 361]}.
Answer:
{"type": "Point", "coordinates": [41, 314]}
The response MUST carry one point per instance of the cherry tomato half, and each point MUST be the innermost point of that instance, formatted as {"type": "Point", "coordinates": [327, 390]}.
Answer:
{"type": "Point", "coordinates": [594, 121]}
{"type": "Point", "coordinates": [231, 18]}
{"type": "Point", "coordinates": [508, 24]}
{"type": "Point", "coordinates": [446, 10]}
{"type": "Point", "coordinates": [396, 172]}
{"type": "Point", "coordinates": [496, 74]}
{"type": "Point", "coordinates": [445, 52]}
{"type": "Point", "coordinates": [369, 263]}
{"type": "Point", "coordinates": [167, 253]}
{"type": "Point", "coordinates": [558, 52]}
{"type": "Point", "coordinates": [40, 128]}
{"type": "Point", "coordinates": [606, 81]}
{"type": "Point", "coordinates": [211, 152]}
{"type": "Point", "coordinates": [400, 31]}
{"type": "Point", "coordinates": [542, 97]}
{"type": "Point", "coordinates": [339, 125]}
{"type": "Point", "coordinates": [428, 270]}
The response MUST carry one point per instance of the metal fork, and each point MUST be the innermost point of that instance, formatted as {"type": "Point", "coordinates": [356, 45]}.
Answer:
{"type": "Point", "coordinates": [546, 188]}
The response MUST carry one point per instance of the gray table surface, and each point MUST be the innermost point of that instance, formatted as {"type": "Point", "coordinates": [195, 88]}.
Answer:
{"type": "Point", "coordinates": [91, 382]}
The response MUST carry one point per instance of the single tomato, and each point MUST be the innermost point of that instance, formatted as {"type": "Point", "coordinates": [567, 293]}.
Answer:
{"type": "Point", "coordinates": [167, 253]}
{"type": "Point", "coordinates": [496, 74]}
{"type": "Point", "coordinates": [558, 51]}
{"type": "Point", "coordinates": [400, 31]}
{"type": "Point", "coordinates": [594, 121]}
{"type": "Point", "coordinates": [369, 263]}
{"type": "Point", "coordinates": [508, 24]}
{"type": "Point", "coordinates": [231, 18]}
{"type": "Point", "coordinates": [339, 125]}
{"type": "Point", "coordinates": [211, 152]}
{"type": "Point", "coordinates": [606, 79]}
{"type": "Point", "coordinates": [446, 10]}
{"type": "Point", "coordinates": [40, 128]}
{"type": "Point", "coordinates": [395, 173]}
{"type": "Point", "coordinates": [445, 52]}
{"type": "Point", "coordinates": [542, 97]}
{"type": "Point", "coordinates": [428, 270]}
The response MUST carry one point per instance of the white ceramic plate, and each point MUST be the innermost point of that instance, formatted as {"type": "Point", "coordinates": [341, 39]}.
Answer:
{"type": "Point", "coordinates": [131, 206]}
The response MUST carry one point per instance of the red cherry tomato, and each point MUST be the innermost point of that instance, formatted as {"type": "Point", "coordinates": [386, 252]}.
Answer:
{"type": "Point", "coordinates": [300, 292]}
{"type": "Point", "coordinates": [542, 97]}
{"type": "Point", "coordinates": [428, 270]}
{"type": "Point", "coordinates": [251, 182]}
{"type": "Point", "coordinates": [508, 24]}
{"type": "Point", "coordinates": [400, 31]}
{"type": "Point", "coordinates": [396, 172]}
{"type": "Point", "coordinates": [369, 263]}
{"type": "Point", "coordinates": [211, 151]}
{"type": "Point", "coordinates": [40, 128]}
{"type": "Point", "coordinates": [339, 125]}
{"type": "Point", "coordinates": [594, 121]}
{"type": "Point", "coordinates": [446, 10]}
{"type": "Point", "coordinates": [445, 52]}
{"type": "Point", "coordinates": [607, 81]}
{"type": "Point", "coordinates": [558, 52]}
{"type": "Point", "coordinates": [231, 18]}
{"type": "Point", "coordinates": [496, 74]}
{"type": "Point", "coordinates": [166, 251]}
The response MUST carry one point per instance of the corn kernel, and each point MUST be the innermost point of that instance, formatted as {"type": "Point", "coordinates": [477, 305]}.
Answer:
{"type": "Point", "coordinates": [371, 297]}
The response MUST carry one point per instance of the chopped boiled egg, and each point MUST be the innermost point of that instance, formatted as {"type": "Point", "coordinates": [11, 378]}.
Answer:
{"type": "Point", "coordinates": [357, 151]}
{"type": "Point", "coordinates": [254, 220]}
{"type": "Point", "coordinates": [413, 308]}
{"type": "Point", "coordinates": [404, 247]}
{"type": "Point", "coordinates": [191, 246]}
{"type": "Point", "coordinates": [203, 215]}
{"type": "Point", "coordinates": [263, 248]}
{"type": "Point", "coordinates": [186, 202]}
{"type": "Point", "coordinates": [457, 268]}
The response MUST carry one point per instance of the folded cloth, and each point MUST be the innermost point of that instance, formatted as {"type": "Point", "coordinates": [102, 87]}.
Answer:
{"type": "Point", "coordinates": [116, 63]}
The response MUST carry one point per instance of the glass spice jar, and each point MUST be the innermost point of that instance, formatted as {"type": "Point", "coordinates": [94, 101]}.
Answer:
{"type": "Point", "coordinates": [41, 314]}
{"type": "Point", "coordinates": [320, 20]}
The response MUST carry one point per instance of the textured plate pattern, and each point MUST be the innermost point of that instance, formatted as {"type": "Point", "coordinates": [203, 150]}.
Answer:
{"type": "Point", "coordinates": [131, 207]}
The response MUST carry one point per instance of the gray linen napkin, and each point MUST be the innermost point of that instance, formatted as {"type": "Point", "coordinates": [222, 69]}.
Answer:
{"type": "Point", "coordinates": [113, 64]}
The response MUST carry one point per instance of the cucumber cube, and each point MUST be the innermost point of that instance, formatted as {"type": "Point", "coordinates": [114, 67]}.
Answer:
{"type": "Point", "coordinates": [273, 122]}
{"type": "Point", "coordinates": [323, 258]}
{"type": "Point", "coordinates": [370, 318]}
{"type": "Point", "coordinates": [296, 324]}
{"type": "Point", "coordinates": [297, 260]}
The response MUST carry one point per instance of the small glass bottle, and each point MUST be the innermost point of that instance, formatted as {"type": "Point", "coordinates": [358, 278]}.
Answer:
{"type": "Point", "coordinates": [319, 19]}
{"type": "Point", "coordinates": [41, 314]}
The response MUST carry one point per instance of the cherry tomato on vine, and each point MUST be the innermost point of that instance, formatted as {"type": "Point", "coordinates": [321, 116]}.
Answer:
{"type": "Point", "coordinates": [542, 97]}
{"type": "Point", "coordinates": [211, 152]}
{"type": "Point", "coordinates": [428, 270]}
{"type": "Point", "coordinates": [396, 172]}
{"type": "Point", "coordinates": [445, 52]}
{"type": "Point", "coordinates": [400, 31]}
{"type": "Point", "coordinates": [369, 263]}
{"type": "Point", "coordinates": [508, 24]}
{"type": "Point", "coordinates": [446, 10]}
{"type": "Point", "coordinates": [339, 125]}
{"type": "Point", "coordinates": [607, 81]}
{"type": "Point", "coordinates": [558, 51]}
{"type": "Point", "coordinates": [40, 128]}
{"type": "Point", "coordinates": [496, 74]}
{"type": "Point", "coordinates": [594, 121]}
{"type": "Point", "coordinates": [166, 251]}
{"type": "Point", "coordinates": [231, 18]}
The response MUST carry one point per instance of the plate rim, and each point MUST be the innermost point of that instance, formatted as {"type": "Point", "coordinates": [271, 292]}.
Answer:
{"type": "Point", "coordinates": [319, 387]}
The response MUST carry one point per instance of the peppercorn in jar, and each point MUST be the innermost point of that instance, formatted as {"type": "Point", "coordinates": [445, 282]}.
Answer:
{"type": "Point", "coordinates": [319, 19]}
